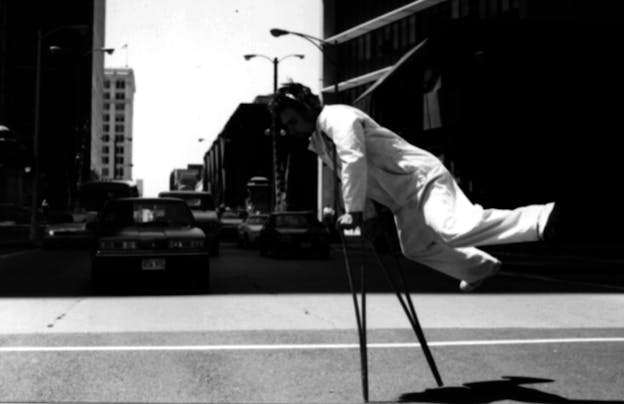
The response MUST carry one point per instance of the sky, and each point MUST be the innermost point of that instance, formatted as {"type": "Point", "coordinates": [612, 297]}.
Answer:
{"type": "Point", "coordinates": [187, 57]}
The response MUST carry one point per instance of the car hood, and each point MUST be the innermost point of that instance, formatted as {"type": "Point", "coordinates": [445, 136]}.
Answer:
{"type": "Point", "coordinates": [68, 227]}
{"type": "Point", "coordinates": [231, 221]}
{"type": "Point", "coordinates": [159, 232]}
{"type": "Point", "coordinates": [205, 216]}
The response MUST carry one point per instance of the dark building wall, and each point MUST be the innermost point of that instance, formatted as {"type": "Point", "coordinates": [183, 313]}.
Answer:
{"type": "Point", "coordinates": [528, 93]}
{"type": "Point", "coordinates": [65, 86]}
{"type": "Point", "coordinates": [241, 151]}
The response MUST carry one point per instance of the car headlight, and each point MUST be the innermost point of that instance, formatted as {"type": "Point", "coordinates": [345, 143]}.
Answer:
{"type": "Point", "coordinates": [176, 244]}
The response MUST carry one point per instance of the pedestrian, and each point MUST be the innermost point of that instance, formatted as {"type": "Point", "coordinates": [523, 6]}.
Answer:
{"type": "Point", "coordinates": [437, 225]}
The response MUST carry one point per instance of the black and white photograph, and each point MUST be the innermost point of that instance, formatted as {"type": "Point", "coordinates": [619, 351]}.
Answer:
{"type": "Point", "coordinates": [311, 201]}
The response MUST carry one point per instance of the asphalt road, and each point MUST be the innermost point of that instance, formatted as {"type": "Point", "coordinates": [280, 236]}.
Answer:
{"type": "Point", "coordinates": [283, 330]}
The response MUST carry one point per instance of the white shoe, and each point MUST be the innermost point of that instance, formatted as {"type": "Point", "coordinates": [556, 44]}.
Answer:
{"type": "Point", "coordinates": [465, 286]}
{"type": "Point", "coordinates": [469, 287]}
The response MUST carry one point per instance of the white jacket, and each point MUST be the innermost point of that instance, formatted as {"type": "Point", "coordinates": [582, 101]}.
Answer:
{"type": "Point", "coordinates": [374, 162]}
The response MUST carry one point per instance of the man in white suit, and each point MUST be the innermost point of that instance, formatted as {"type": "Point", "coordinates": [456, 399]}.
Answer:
{"type": "Point", "coordinates": [437, 225]}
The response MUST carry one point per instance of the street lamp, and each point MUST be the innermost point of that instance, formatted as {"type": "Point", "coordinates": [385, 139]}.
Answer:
{"type": "Point", "coordinates": [321, 45]}
{"type": "Point", "coordinates": [41, 35]}
{"type": "Point", "coordinates": [276, 61]}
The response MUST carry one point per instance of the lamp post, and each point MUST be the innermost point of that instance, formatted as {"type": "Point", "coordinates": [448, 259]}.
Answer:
{"type": "Point", "coordinates": [321, 45]}
{"type": "Point", "coordinates": [276, 61]}
{"type": "Point", "coordinates": [41, 35]}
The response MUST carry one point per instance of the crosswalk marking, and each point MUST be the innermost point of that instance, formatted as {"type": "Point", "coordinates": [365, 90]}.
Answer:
{"type": "Point", "coordinates": [277, 347]}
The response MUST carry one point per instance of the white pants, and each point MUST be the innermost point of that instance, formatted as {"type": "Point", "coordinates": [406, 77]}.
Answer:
{"type": "Point", "coordinates": [442, 229]}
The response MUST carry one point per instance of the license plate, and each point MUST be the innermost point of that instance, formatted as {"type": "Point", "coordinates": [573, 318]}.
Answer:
{"type": "Point", "coordinates": [153, 264]}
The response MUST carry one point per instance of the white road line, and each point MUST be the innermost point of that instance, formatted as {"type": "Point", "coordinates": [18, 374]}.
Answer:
{"type": "Point", "coordinates": [276, 347]}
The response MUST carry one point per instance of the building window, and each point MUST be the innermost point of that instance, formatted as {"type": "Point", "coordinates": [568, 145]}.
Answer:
{"type": "Point", "coordinates": [106, 95]}
{"type": "Point", "coordinates": [105, 138]}
{"type": "Point", "coordinates": [120, 84]}
{"type": "Point", "coordinates": [120, 118]}
{"type": "Point", "coordinates": [120, 96]}
{"type": "Point", "coordinates": [119, 107]}
{"type": "Point", "coordinates": [107, 84]}
{"type": "Point", "coordinates": [105, 160]}
{"type": "Point", "coordinates": [119, 138]}
{"type": "Point", "coordinates": [119, 160]}
{"type": "Point", "coordinates": [106, 117]}
{"type": "Point", "coordinates": [104, 172]}
{"type": "Point", "coordinates": [119, 172]}
{"type": "Point", "coordinates": [119, 128]}
{"type": "Point", "coordinates": [106, 127]}
{"type": "Point", "coordinates": [106, 106]}
{"type": "Point", "coordinates": [119, 149]}
{"type": "Point", "coordinates": [105, 149]}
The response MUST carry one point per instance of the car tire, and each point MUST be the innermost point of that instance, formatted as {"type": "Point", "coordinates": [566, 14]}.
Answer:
{"type": "Point", "coordinates": [202, 280]}
{"type": "Point", "coordinates": [214, 249]}
{"type": "Point", "coordinates": [99, 280]}
{"type": "Point", "coordinates": [263, 249]}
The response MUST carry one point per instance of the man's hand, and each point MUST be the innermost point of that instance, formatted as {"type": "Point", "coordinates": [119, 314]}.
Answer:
{"type": "Point", "coordinates": [349, 220]}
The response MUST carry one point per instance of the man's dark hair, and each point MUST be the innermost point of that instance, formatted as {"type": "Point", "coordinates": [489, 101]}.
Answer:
{"type": "Point", "coordinates": [297, 96]}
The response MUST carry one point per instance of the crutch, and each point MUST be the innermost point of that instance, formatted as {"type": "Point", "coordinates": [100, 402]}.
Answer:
{"type": "Point", "coordinates": [360, 311]}
{"type": "Point", "coordinates": [408, 306]}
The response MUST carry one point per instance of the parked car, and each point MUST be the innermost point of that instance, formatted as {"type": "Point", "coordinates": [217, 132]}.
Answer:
{"type": "Point", "coordinates": [202, 206]}
{"type": "Point", "coordinates": [230, 220]}
{"type": "Point", "coordinates": [149, 237]}
{"type": "Point", "coordinates": [63, 230]}
{"type": "Point", "coordinates": [293, 231]}
{"type": "Point", "coordinates": [249, 229]}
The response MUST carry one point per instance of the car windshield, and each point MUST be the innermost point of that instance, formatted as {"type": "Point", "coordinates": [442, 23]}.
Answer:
{"type": "Point", "coordinates": [149, 213]}
{"type": "Point", "coordinates": [230, 215]}
{"type": "Point", "coordinates": [256, 220]}
{"type": "Point", "coordinates": [93, 196]}
{"type": "Point", "coordinates": [292, 221]}
{"type": "Point", "coordinates": [194, 201]}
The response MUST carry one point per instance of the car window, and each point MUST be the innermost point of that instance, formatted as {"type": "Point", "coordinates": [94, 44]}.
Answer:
{"type": "Point", "coordinates": [230, 215]}
{"type": "Point", "coordinates": [193, 201]}
{"type": "Point", "coordinates": [145, 214]}
{"type": "Point", "coordinates": [256, 220]}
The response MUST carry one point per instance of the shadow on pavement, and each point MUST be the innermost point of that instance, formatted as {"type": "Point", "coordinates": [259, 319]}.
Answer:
{"type": "Point", "coordinates": [510, 388]}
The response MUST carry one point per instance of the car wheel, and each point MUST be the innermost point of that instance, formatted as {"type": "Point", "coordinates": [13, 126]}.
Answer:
{"type": "Point", "coordinates": [214, 249]}
{"type": "Point", "coordinates": [99, 279]}
{"type": "Point", "coordinates": [203, 280]}
{"type": "Point", "coordinates": [263, 249]}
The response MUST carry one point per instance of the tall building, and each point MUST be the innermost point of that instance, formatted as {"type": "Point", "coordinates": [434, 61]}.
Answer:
{"type": "Point", "coordinates": [508, 93]}
{"type": "Point", "coordinates": [70, 34]}
{"type": "Point", "coordinates": [112, 141]}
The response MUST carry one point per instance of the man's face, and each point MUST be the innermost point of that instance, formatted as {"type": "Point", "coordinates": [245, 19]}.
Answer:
{"type": "Point", "coordinates": [296, 123]}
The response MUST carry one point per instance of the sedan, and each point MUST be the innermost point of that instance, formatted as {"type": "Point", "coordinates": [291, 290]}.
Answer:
{"type": "Point", "coordinates": [149, 237]}
{"type": "Point", "coordinates": [293, 231]}
{"type": "Point", "coordinates": [249, 229]}
{"type": "Point", "coordinates": [229, 224]}
{"type": "Point", "coordinates": [202, 207]}
{"type": "Point", "coordinates": [63, 230]}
